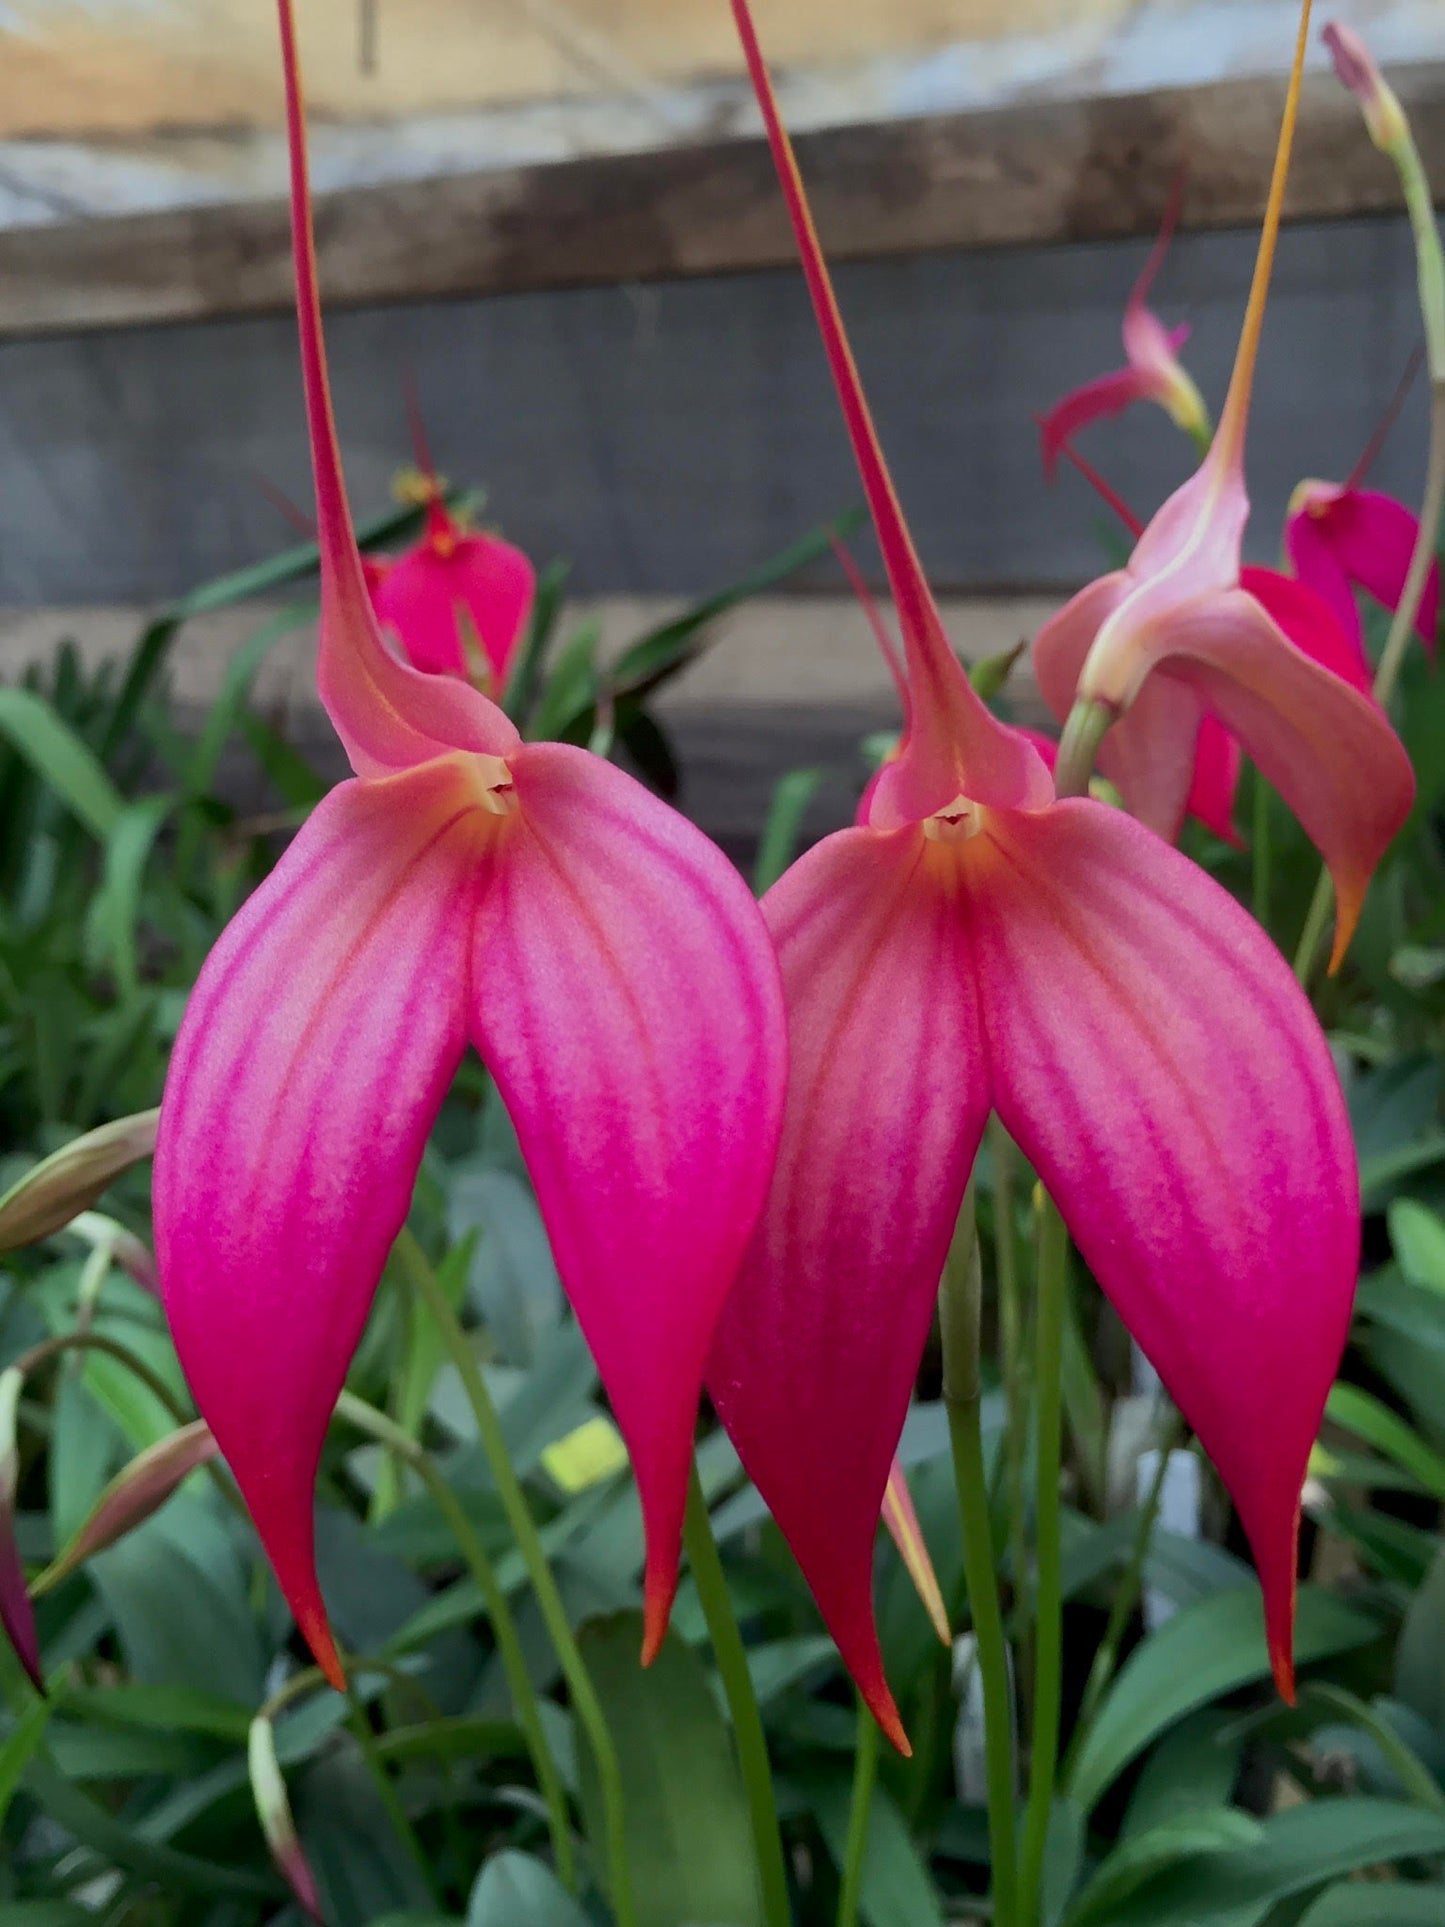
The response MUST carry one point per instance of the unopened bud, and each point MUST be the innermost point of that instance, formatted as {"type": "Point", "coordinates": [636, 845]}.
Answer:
{"type": "Point", "coordinates": [273, 1810]}
{"type": "Point", "coordinates": [1355, 66]}
{"type": "Point", "coordinates": [1390, 131]}
{"type": "Point", "coordinates": [17, 1615]}
{"type": "Point", "coordinates": [136, 1492]}
{"type": "Point", "coordinates": [71, 1179]}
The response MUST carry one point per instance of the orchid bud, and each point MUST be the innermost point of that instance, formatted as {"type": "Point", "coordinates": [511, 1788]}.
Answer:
{"type": "Point", "coordinates": [137, 1491]}
{"type": "Point", "coordinates": [17, 1615]}
{"type": "Point", "coordinates": [1390, 131]}
{"type": "Point", "coordinates": [1355, 66]}
{"type": "Point", "coordinates": [71, 1179]}
{"type": "Point", "coordinates": [273, 1810]}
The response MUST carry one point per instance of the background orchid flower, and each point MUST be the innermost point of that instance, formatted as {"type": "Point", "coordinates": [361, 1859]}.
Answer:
{"type": "Point", "coordinates": [1213, 777]}
{"type": "Point", "coordinates": [1154, 371]}
{"type": "Point", "coordinates": [1340, 538]}
{"type": "Point", "coordinates": [458, 601]}
{"type": "Point", "coordinates": [602, 954]}
{"type": "Point", "coordinates": [1176, 635]}
{"type": "Point", "coordinates": [975, 945]}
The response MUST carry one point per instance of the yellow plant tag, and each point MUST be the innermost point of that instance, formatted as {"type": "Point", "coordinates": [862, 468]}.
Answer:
{"type": "Point", "coordinates": [587, 1456]}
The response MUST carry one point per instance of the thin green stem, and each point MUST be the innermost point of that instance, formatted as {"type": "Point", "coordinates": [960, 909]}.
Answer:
{"type": "Point", "coordinates": [1126, 1598]}
{"type": "Point", "coordinates": [504, 1627]}
{"type": "Point", "coordinates": [732, 1665]}
{"type": "Point", "coordinates": [865, 1776]}
{"type": "Point", "coordinates": [960, 1297]}
{"type": "Point", "coordinates": [1011, 1322]}
{"type": "Point", "coordinates": [1053, 1263]}
{"type": "Point", "coordinates": [1422, 556]}
{"type": "Point", "coordinates": [1261, 854]}
{"type": "Point", "coordinates": [1393, 655]}
{"type": "Point", "coordinates": [365, 1739]}
{"type": "Point", "coordinates": [585, 1702]}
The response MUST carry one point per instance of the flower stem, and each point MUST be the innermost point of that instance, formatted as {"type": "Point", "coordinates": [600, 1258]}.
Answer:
{"type": "Point", "coordinates": [585, 1702]}
{"type": "Point", "coordinates": [865, 1775]}
{"type": "Point", "coordinates": [1423, 555]}
{"type": "Point", "coordinates": [391, 1801]}
{"type": "Point", "coordinates": [1086, 728]}
{"type": "Point", "coordinates": [504, 1626]}
{"type": "Point", "coordinates": [1053, 1273]}
{"type": "Point", "coordinates": [732, 1665]}
{"type": "Point", "coordinates": [1011, 1324]}
{"type": "Point", "coordinates": [960, 1295]}
{"type": "Point", "coordinates": [1393, 655]}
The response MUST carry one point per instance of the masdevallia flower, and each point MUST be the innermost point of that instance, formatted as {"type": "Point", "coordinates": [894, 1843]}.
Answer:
{"type": "Point", "coordinates": [465, 887]}
{"type": "Point", "coordinates": [976, 945]}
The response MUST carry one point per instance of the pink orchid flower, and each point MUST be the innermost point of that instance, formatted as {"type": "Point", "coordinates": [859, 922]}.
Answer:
{"type": "Point", "coordinates": [1310, 624]}
{"type": "Point", "coordinates": [1154, 372]}
{"type": "Point", "coordinates": [1340, 538]}
{"type": "Point", "coordinates": [604, 957]}
{"type": "Point", "coordinates": [458, 600]}
{"type": "Point", "coordinates": [1179, 634]}
{"type": "Point", "coordinates": [976, 945]}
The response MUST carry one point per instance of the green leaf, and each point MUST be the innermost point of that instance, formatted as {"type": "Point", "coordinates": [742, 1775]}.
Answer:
{"type": "Point", "coordinates": [361, 1866]}
{"type": "Point", "coordinates": [19, 1747]}
{"type": "Point", "coordinates": [236, 688]}
{"type": "Point", "coordinates": [897, 1890]}
{"type": "Point", "coordinates": [1371, 1904]}
{"type": "Point", "coordinates": [1418, 1237]}
{"type": "Point", "coordinates": [1140, 1858]}
{"type": "Point", "coordinates": [1370, 1419]}
{"type": "Point", "coordinates": [1419, 1675]}
{"type": "Point", "coordinates": [521, 691]}
{"type": "Point", "coordinates": [59, 756]}
{"type": "Point", "coordinates": [115, 1841]}
{"type": "Point", "coordinates": [571, 688]}
{"type": "Point", "coordinates": [1415, 1778]}
{"type": "Point", "coordinates": [1299, 1849]}
{"type": "Point", "coordinates": [784, 826]}
{"type": "Point", "coordinates": [514, 1890]}
{"type": "Point", "coordinates": [44, 1913]}
{"type": "Point", "coordinates": [115, 912]}
{"type": "Point", "coordinates": [162, 1708]}
{"type": "Point", "coordinates": [84, 1446]}
{"type": "Point", "coordinates": [689, 1843]}
{"type": "Point", "coordinates": [1194, 1767]}
{"type": "Point", "coordinates": [659, 654]}
{"type": "Point", "coordinates": [177, 1593]}
{"type": "Point", "coordinates": [1209, 1649]}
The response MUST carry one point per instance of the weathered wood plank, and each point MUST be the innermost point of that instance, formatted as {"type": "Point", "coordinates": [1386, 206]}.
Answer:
{"type": "Point", "coordinates": [1036, 173]}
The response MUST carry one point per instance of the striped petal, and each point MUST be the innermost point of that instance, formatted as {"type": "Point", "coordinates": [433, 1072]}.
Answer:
{"type": "Point", "coordinates": [626, 998]}
{"type": "Point", "coordinates": [820, 1342]}
{"type": "Point", "coordinates": [314, 1053]}
{"type": "Point", "coordinates": [1326, 747]}
{"type": "Point", "coordinates": [1206, 1170]}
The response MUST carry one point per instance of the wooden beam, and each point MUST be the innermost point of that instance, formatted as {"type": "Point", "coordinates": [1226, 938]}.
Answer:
{"type": "Point", "coordinates": [1043, 172]}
